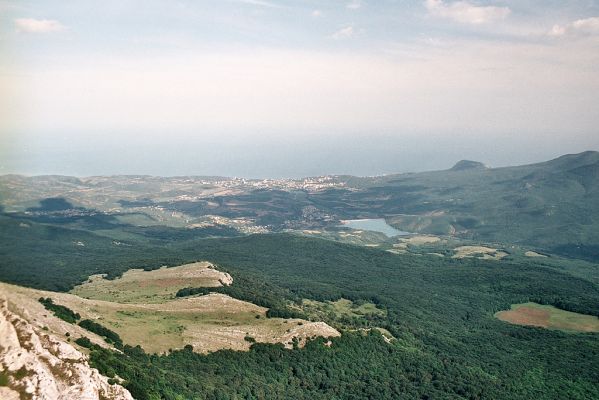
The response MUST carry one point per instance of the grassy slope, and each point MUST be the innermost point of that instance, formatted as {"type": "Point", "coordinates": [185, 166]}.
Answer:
{"type": "Point", "coordinates": [208, 323]}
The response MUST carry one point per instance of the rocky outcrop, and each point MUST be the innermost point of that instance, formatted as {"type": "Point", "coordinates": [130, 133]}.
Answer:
{"type": "Point", "coordinates": [35, 364]}
{"type": "Point", "coordinates": [226, 279]}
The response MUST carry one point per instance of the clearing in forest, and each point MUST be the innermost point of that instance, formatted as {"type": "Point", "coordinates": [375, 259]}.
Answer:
{"type": "Point", "coordinates": [544, 316]}
{"type": "Point", "coordinates": [341, 310]}
{"type": "Point", "coordinates": [482, 252]}
{"type": "Point", "coordinates": [533, 254]}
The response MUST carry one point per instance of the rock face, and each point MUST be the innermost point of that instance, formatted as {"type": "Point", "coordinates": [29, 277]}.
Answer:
{"type": "Point", "coordinates": [37, 365]}
{"type": "Point", "coordinates": [224, 279]}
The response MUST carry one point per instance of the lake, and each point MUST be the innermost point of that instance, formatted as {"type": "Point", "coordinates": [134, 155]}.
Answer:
{"type": "Point", "coordinates": [375, 224]}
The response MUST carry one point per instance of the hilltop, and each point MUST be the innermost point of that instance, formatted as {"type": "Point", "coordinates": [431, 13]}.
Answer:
{"type": "Point", "coordinates": [467, 164]}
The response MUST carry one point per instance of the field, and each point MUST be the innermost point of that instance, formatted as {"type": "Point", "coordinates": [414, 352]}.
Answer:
{"type": "Point", "coordinates": [156, 286]}
{"type": "Point", "coordinates": [533, 314]}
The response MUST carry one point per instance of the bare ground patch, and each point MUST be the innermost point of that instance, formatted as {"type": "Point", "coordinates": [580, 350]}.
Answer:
{"type": "Point", "coordinates": [341, 312]}
{"type": "Point", "coordinates": [526, 316]}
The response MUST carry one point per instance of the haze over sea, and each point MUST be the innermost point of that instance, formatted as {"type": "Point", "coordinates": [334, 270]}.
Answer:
{"type": "Point", "coordinates": [293, 88]}
{"type": "Point", "coordinates": [275, 157]}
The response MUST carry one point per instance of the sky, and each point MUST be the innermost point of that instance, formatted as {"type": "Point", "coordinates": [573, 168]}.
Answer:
{"type": "Point", "coordinates": [265, 88]}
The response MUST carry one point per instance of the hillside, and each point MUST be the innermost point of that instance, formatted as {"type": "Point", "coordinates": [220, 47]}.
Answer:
{"type": "Point", "coordinates": [553, 206]}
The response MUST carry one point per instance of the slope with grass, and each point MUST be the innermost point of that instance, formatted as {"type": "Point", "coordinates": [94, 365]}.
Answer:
{"type": "Point", "coordinates": [208, 323]}
{"type": "Point", "coordinates": [155, 286]}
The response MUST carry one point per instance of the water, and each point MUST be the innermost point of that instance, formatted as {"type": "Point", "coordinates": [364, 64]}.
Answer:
{"type": "Point", "coordinates": [376, 225]}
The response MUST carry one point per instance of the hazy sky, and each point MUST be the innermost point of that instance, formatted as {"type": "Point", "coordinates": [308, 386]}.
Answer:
{"type": "Point", "coordinates": [293, 88]}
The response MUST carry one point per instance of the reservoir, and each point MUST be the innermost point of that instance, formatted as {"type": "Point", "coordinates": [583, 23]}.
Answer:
{"type": "Point", "coordinates": [376, 225]}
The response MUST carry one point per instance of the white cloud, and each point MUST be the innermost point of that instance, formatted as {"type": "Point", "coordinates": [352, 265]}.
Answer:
{"type": "Point", "coordinates": [32, 25]}
{"type": "Point", "coordinates": [316, 13]}
{"type": "Point", "coordinates": [586, 26]}
{"type": "Point", "coordinates": [344, 33]}
{"type": "Point", "coordinates": [354, 5]}
{"type": "Point", "coordinates": [465, 12]}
